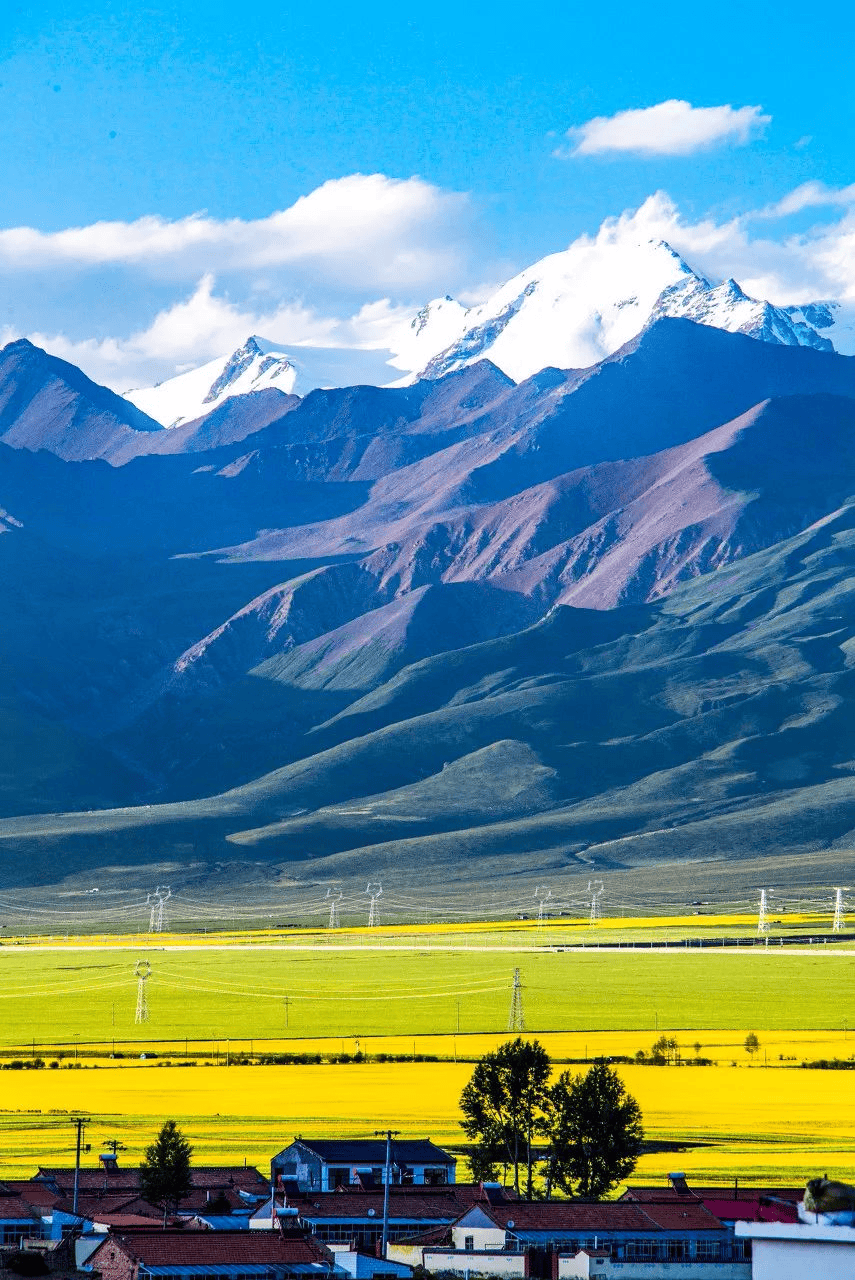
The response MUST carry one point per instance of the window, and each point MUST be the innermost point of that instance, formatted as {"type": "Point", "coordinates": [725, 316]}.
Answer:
{"type": "Point", "coordinates": [469, 1243]}
{"type": "Point", "coordinates": [339, 1178]}
{"type": "Point", "coordinates": [708, 1250]}
{"type": "Point", "coordinates": [14, 1234]}
{"type": "Point", "coordinates": [677, 1250]}
{"type": "Point", "coordinates": [436, 1177]}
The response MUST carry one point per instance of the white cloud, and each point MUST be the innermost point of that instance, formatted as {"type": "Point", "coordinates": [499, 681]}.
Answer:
{"type": "Point", "coordinates": [810, 195]}
{"type": "Point", "coordinates": [364, 230]}
{"type": "Point", "coordinates": [672, 128]}
{"type": "Point", "coordinates": [212, 313]}
{"type": "Point", "coordinates": [815, 265]}
{"type": "Point", "coordinates": [206, 325]}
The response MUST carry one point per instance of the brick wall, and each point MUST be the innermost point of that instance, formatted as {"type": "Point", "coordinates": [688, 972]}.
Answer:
{"type": "Point", "coordinates": [111, 1262]}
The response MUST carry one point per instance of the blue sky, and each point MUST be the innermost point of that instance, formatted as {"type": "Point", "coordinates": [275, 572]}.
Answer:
{"type": "Point", "coordinates": [160, 112]}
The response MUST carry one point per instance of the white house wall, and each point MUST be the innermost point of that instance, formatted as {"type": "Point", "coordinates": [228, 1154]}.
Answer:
{"type": "Point", "coordinates": [476, 1264]}
{"type": "Point", "coordinates": [581, 1267]}
{"type": "Point", "coordinates": [483, 1238]}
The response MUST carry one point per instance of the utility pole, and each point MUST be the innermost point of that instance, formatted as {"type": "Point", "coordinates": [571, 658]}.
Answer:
{"type": "Point", "coordinates": [81, 1125]}
{"type": "Point", "coordinates": [389, 1133]}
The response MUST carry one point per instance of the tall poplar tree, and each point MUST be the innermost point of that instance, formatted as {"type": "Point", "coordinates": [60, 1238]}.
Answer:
{"type": "Point", "coordinates": [502, 1108]}
{"type": "Point", "coordinates": [165, 1176]}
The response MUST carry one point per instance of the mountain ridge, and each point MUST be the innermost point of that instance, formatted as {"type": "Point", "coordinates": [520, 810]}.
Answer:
{"type": "Point", "coordinates": [600, 616]}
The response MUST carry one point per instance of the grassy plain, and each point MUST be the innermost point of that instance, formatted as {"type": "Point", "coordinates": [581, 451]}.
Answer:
{"type": "Point", "coordinates": [440, 992]}
{"type": "Point", "coordinates": [72, 996]}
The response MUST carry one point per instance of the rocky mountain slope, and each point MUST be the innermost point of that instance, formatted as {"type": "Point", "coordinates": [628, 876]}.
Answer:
{"type": "Point", "coordinates": [46, 403]}
{"type": "Point", "coordinates": [597, 617]}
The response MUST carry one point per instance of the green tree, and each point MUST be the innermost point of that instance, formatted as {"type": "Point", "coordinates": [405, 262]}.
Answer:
{"type": "Point", "coordinates": [665, 1050]}
{"type": "Point", "coordinates": [594, 1132]}
{"type": "Point", "coordinates": [502, 1108]}
{"type": "Point", "coordinates": [165, 1177]}
{"type": "Point", "coordinates": [752, 1044]}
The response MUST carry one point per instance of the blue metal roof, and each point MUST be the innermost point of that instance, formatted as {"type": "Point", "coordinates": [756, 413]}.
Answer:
{"type": "Point", "coordinates": [223, 1222]}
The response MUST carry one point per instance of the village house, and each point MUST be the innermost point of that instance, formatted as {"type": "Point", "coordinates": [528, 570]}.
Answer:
{"type": "Point", "coordinates": [323, 1165]}
{"type": "Point", "coordinates": [19, 1218]}
{"type": "Point", "coordinates": [547, 1239]}
{"type": "Point", "coordinates": [214, 1255]}
{"type": "Point", "coordinates": [791, 1251]}
{"type": "Point", "coordinates": [354, 1217]}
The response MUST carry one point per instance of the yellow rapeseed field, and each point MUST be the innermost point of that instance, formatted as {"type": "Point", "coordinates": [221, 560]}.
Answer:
{"type": "Point", "coordinates": [773, 1125]}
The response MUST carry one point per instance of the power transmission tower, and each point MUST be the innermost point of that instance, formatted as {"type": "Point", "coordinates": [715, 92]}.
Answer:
{"type": "Point", "coordinates": [335, 898]}
{"type": "Point", "coordinates": [374, 891]}
{"type": "Point", "coordinates": [156, 901]}
{"type": "Point", "coordinates": [839, 917]}
{"type": "Point", "coordinates": [543, 895]}
{"type": "Point", "coordinates": [516, 1017]}
{"type": "Point", "coordinates": [595, 888]}
{"type": "Point", "coordinates": [762, 915]}
{"type": "Point", "coordinates": [142, 973]}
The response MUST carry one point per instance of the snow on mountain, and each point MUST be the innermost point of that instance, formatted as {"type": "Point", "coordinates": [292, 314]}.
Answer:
{"type": "Point", "coordinates": [256, 366]}
{"type": "Point", "coordinates": [835, 321]}
{"type": "Point", "coordinates": [573, 309]}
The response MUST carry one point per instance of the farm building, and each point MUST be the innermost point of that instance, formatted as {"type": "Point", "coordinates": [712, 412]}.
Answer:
{"type": "Point", "coordinates": [19, 1220]}
{"type": "Point", "coordinates": [355, 1217]}
{"type": "Point", "coordinates": [791, 1251]}
{"type": "Point", "coordinates": [215, 1255]}
{"type": "Point", "coordinates": [521, 1239]}
{"type": "Point", "coordinates": [325, 1164]}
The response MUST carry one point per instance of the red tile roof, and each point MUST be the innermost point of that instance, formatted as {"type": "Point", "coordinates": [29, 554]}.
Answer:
{"type": "Point", "coordinates": [35, 1193]}
{"type": "Point", "coordinates": [184, 1248]}
{"type": "Point", "coordinates": [356, 1204]}
{"type": "Point", "coordinates": [91, 1205]}
{"type": "Point", "coordinates": [610, 1215]}
{"type": "Point", "coordinates": [642, 1194]}
{"type": "Point", "coordinates": [681, 1215]}
{"type": "Point", "coordinates": [205, 1177]}
{"type": "Point", "coordinates": [571, 1215]}
{"type": "Point", "coordinates": [14, 1208]}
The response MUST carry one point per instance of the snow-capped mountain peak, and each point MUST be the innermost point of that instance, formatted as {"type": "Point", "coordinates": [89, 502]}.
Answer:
{"type": "Point", "coordinates": [574, 308]}
{"type": "Point", "coordinates": [255, 366]}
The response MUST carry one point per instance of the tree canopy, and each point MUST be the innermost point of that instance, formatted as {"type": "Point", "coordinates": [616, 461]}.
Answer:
{"type": "Point", "coordinates": [165, 1176]}
{"type": "Point", "coordinates": [594, 1131]}
{"type": "Point", "coordinates": [590, 1126]}
{"type": "Point", "coordinates": [502, 1108]}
